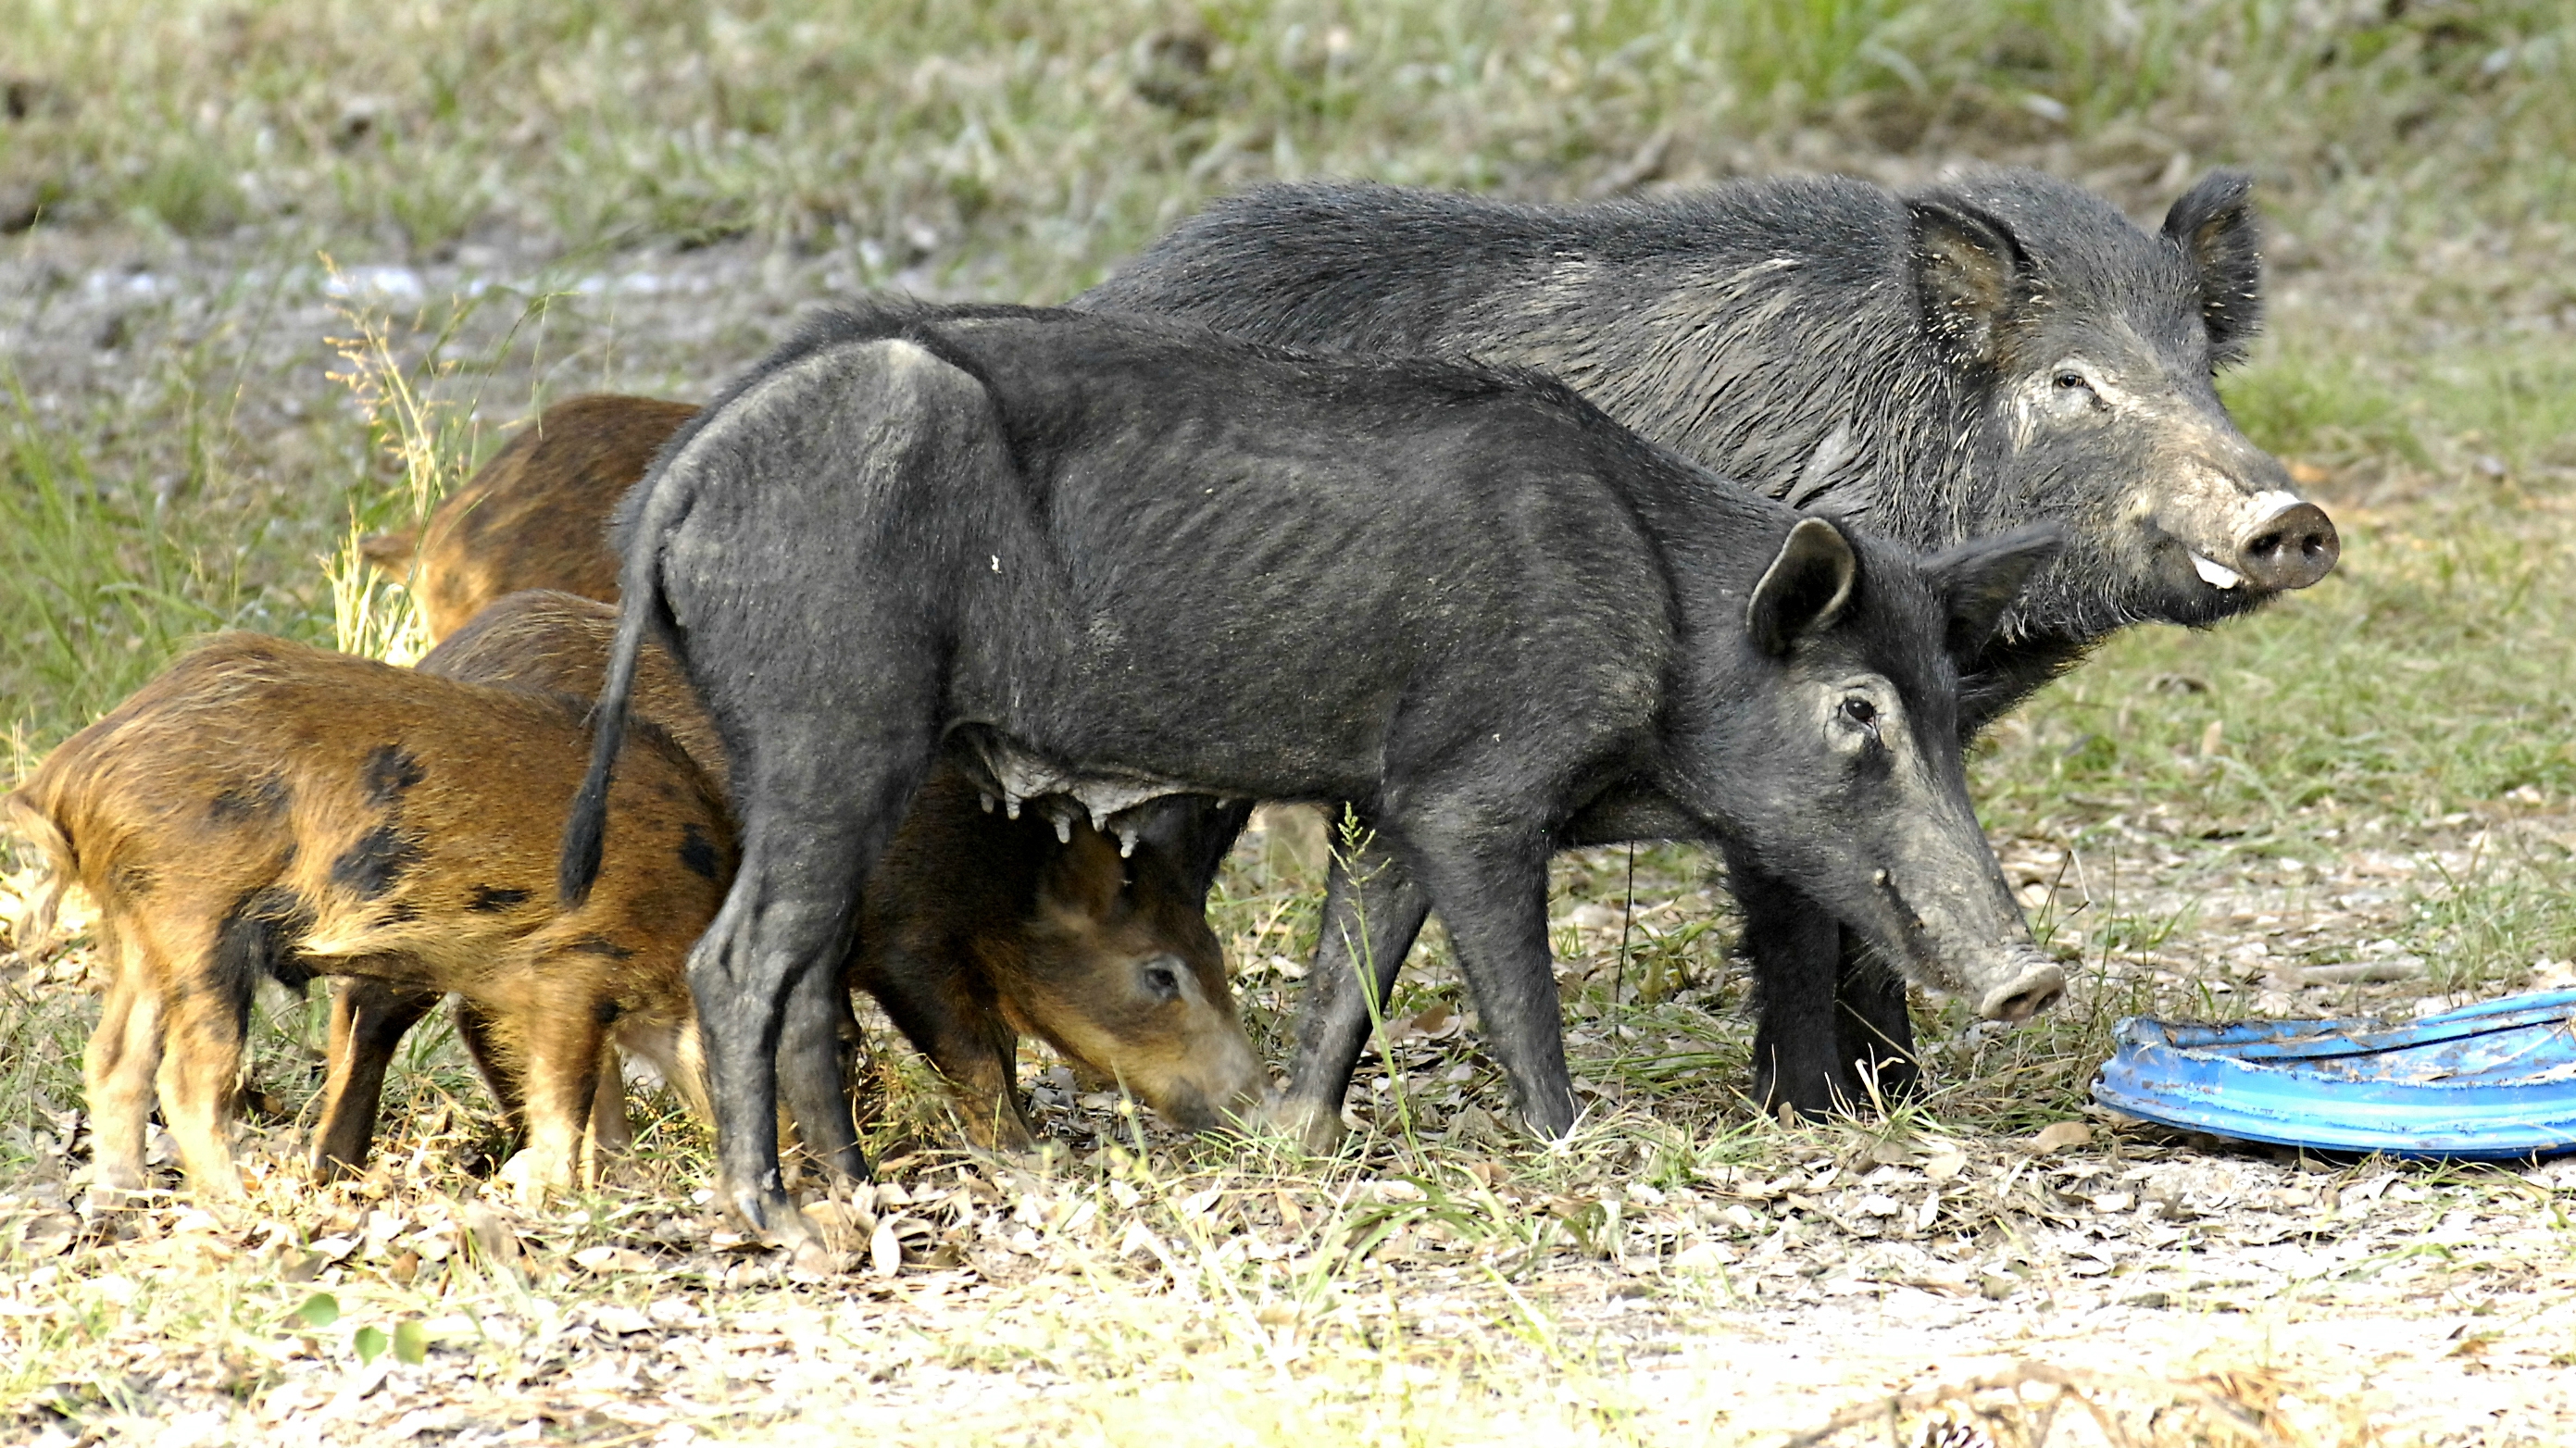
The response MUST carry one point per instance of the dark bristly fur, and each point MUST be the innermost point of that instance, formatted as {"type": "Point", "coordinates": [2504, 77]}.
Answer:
{"type": "Point", "coordinates": [1980, 354]}
{"type": "Point", "coordinates": [1116, 557]}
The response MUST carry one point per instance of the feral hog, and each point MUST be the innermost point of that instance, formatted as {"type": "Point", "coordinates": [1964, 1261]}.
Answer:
{"type": "Point", "coordinates": [979, 925]}
{"type": "Point", "coordinates": [1976, 355]}
{"type": "Point", "coordinates": [264, 808]}
{"type": "Point", "coordinates": [535, 516]}
{"type": "Point", "coordinates": [1117, 560]}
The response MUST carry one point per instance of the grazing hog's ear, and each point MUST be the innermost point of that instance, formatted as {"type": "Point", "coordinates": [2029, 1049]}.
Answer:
{"type": "Point", "coordinates": [1805, 588]}
{"type": "Point", "coordinates": [1969, 271]}
{"type": "Point", "coordinates": [2215, 225]}
{"type": "Point", "coordinates": [1980, 578]}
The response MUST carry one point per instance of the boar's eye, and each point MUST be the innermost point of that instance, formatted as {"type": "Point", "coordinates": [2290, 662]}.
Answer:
{"type": "Point", "coordinates": [2072, 384]}
{"type": "Point", "coordinates": [1162, 982]}
{"type": "Point", "coordinates": [1860, 714]}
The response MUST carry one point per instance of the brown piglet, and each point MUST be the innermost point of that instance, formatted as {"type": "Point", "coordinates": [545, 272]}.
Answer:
{"type": "Point", "coordinates": [535, 516]}
{"type": "Point", "coordinates": [265, 808]}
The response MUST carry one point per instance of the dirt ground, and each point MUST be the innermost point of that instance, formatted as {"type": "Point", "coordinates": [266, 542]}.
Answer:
{"type": "Point", "coordinates": [1681, 1272]}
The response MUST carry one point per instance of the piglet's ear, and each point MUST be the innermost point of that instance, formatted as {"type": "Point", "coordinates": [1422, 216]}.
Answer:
{"type": "Point", "coordinates": [1805, 589]}
{"type": "Point", "coordinates": [1979, 579]}
{"type": "Point", "coordinates": [1083, 876]}
{"type": "Point", "coordinates": [2215, 225]}
{"type": "Point", "coordinates": [1970, 273]}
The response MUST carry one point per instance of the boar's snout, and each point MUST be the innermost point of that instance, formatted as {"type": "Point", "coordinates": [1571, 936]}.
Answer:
{"type": "Point", "coordinates": [2024, 992]}
{"type": "Point", "coordinates": [2292, 548]}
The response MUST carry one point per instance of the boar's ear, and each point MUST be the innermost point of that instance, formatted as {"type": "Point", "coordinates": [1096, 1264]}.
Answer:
{"type": "Point", "coordinates": [2215, 226]}
{"type": "Point", "coordinates": [1805, 588]}
{"type": "Point", "coordinates": [1969, 271]}
{"type": "Point", "coordinates": [1980, 578]}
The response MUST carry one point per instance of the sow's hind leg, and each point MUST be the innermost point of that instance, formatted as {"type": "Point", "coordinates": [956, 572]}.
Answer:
{"type": "Point", "coordinates": [810, 836]}
{"type": "Point", "coordinates": [1372, 912]}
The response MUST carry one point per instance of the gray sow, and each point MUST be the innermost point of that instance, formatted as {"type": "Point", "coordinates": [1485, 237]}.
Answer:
{"type": "Point", "coordinates": [1118, 560]}
{"type": "Point", "coordinates": [1984, 353]}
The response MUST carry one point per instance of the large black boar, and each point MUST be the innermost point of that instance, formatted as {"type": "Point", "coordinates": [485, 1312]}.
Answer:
{"type": "Point", "coordinates": [1116, 560]}
{"type": "Point", "coordinates": [1970, 357]}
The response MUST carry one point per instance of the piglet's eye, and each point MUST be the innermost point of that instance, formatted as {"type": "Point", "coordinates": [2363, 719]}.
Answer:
{"type": "Point", "coordinates": [1162, 982]}
{"type": "Point", "coordinates": [1860, 714]}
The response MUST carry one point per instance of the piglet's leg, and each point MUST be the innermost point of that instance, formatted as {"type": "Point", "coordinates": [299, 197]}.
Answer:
{"type": "Point", "coordinates": [977, 1053]}
{"type": "Point", "coordinates": [612, 1133]}
{"type": "Point", "coordinates": [499, 1066]}
{"type": "Point", "coordinates": [1372, 912]}
{"type": "Point", "coordinates": [201, 1061]}
{"type": "Point", "coordinates": [564, 1049]}
{"type": "Point", "coordinates": [124, 1051]}
{"type": "Point", "coordinates": [369, 1018]}
{"type": "Point", "coordinates": [1491, 891]}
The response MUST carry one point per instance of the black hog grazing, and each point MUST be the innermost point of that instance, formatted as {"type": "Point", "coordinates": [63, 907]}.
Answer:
{"type": "Point", "coordinates": [535, 516]}
{"type": "Point", "coordinates": [1115, 560]}
{"type": "Point", "coordinates": [1977, 355]}
{"type": "Point", "coordinates": [980, 925]}
{"type": "Point", "coordinates": [264, 808]}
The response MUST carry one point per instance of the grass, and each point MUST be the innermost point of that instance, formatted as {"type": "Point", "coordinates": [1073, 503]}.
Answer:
{"type": "Point", "coordinates": [441, 204]}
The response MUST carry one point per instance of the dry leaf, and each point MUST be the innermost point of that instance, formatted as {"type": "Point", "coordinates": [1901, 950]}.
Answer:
{"type": "Point", "coordinates": [2061, 1136]}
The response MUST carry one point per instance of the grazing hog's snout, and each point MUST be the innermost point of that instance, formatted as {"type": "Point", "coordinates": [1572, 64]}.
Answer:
{"type": "Point", "coordinates": [2028, 985]}
{"type": "Point", "coordinates": [2292, 547]}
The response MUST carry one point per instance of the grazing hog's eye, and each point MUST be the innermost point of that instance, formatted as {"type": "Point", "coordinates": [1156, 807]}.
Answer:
{"type": "Point", "coordinates": [1861, 714]}
{"type": "Point", "coordinates": [1162, 983]}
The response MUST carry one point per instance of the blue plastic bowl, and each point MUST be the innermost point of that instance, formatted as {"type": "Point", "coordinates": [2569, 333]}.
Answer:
{"type": "Point", "coordinates": [2487, 1082]}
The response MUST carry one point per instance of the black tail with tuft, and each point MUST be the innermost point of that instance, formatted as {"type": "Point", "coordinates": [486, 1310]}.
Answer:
{"type": "Point", "coordinates": [585, 833]}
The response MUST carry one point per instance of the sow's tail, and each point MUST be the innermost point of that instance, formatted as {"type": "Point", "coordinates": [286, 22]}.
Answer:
{"type": "Point", "coordinates": [665, 503]}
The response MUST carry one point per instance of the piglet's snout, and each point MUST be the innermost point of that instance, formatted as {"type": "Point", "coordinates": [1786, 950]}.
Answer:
{"type": "Point", "coordinates": [2029, 984]}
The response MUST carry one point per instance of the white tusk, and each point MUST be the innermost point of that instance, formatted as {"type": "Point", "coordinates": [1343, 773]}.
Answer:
{"type": "Point", "coordinates": [986, 799]}
{"type": "Point", "coordinates": [1064, 829]}
{"type": "Point", "coordinates": [1010, 804]}
{"type": "Point", "coordinates": [1126, 841]}
{"type": "Point", "coordinates": [2216, 575]}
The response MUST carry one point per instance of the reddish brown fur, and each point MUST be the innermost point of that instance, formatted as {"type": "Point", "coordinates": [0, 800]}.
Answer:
{"type": "Point", "coordinates": [536, 515]}
{"type": "Point", "coordinates": [263, 806]}
{"type": "Point", "coordinates": [978, 928]}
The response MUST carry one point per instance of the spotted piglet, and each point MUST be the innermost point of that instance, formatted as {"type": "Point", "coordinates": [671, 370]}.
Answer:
{"type": "Point", "coordinates": [265, 808]}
